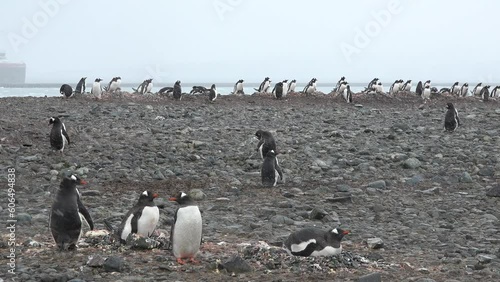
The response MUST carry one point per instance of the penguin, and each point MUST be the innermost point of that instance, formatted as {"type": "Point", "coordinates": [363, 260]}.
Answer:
{"type": "Point", "coordinates": [66, 214]}
{"type": "Point", "coordinates": [114, 84]}
{"type": "Point", "coordinates": [426, 94]}
{"type": "Point", "coordinates": [444, 90]}
{"type": "Point", "coordinates": [451, 120]}
{"type": "Point", "coordinates": [310, 87]}
{"type": "Point", "coordinates": [238, 87]}
{"type": "Point", "coordinates": [477, 90]}
{"type": "Point", "coordinates": [141, 89]}
{"type": "Point", "coordinates": [80, 87]}
{"type": "Point", "coordinates": [455, 89]}
{"type": "Point", "coordinates": [428, 82]}
{"type": "Point", "coordinates": [347, 94]}
{"type": "Point", "coordinates": [291, 86]}
{"type": "Point", "coordinates": [185, 236]}
{"type": "Point", "coordinates": [372, 83]}
{"type": "Point", "coordinates": [342, 87]}
{"type": "Point", "coordinates": [271, 171]}
{"type": "Point", "coordinates": [142, 218]}
{"type": "Point", "coordinates": [266, 142]}
{"type": "Point", "coordinates": [278, 90]}
{"type": "Point", "coordinates": [419, 89]}
{"type": "Point", "coordinates": [199, 90]}
{"type": "Point", "coordinates": [177, 90]}
{"type": "Point", "coordinates": [394, 88]}
{"type": "Point", "coordinates": [464, 90]}
{"type": "Point", "coordinates": [96, 88]}
{"type": "Point", "coordinates": [213, 93]}
{"type": "Point", "coordinates": [58, 136]}
{"type": "Point", "coordinates": [315, 242]}
{"type": "Point", "coordinates": [149, 85]}
{"type": "Point", "coordinates": [66, 90]}
{"type": "Point", "coordinates": [285, 87]}
{"type": "Point", "coordinates": [337, 86]}
{"type": "Point", "coordinates": [485, 93]}
{"type": "Point", "coordinates": [406, 86]}
{"type": "Point", "coordinates": [495, 93]}
{"type": "Point", "coordinates": [264, 86]}
{"type": "Point", "coordinates": [379, 88]}
{"type": "Point", "coordinates": [166, 90]}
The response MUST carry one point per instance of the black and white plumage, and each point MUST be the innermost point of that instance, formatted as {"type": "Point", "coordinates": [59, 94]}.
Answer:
{"type": "Point", "coordinates": [342, 86]}
{"type": "Point", "coordinates": [315, 242]}
{"type": "Point", "coordinates": [149, 85]}
{"type": "Point", "coordinates": [66, 214]}
{"type": "Point", "coordinates": [271, 171]}
{"type": "Point", "coordinates": [477, 90]}
{"type": "Point", "coordinates": [199, 90]}
{"type": "Point", "coordinates": [80, 87]}
{"type": "Point", "coordinates": [238, 87]}
{"type": "Point", "coordinates": [166, 90]}
{"type": "Point", "coordinates": [115, 84]}
{"type": "Point", "coordinates": [266, 142]}
{"type": "Point", "coordinates": [464, 90]}
{"type": "Point", "coordinates": [66, 90]}
{"type": "Point", "coordinates": [310, 88]}
{"type": "Point", "coordinates": [420, 88]}
{"type": "Point", "coordinates": [495, 93]}
{"type": "Point", "coordinates": [141, 89]}
{"type": "Point", "coordinates": [426, 94]}
{"type": "Point", "coordinates": [337, 86]}
{"type": "Point", "coordinates": [347, 94]}
{"type": "Point", "coordinates": [379, 88]}
{"type": "Point", "coordinates": [96, 88]}
{"type": "Point", "coordinates": [455, 89]}
{"type": "Point", "coordinates": [264, 86]}
{"type": "Point", "coordinates": [406, 86]}
{"type": "Point", "coordinates": [186, 233]}
{"type": "Point", "coordinates": [142, 218]}
{"type": "Point", "coordinates": [451, 120]}
{"type": "Point", "coordinates": [395, 87]}
{"type": "Point", "coordinates": [371, 84]}
{"type": "Point", "coordinates": [428, 82]}
{"type": "Point", "coordinates": [291, 86]}
{"type": "Point", "coordinates": [58, 136]}
{"type": "Point", "coordinates": [444, 90]}
{"type": "Point", "coordinates": [213, 93]}
{"type": "Point", "coordinates": [278, 90]}
{"type": "Point", "coordinates": [485, 93]}
{"type": "Point", "coordinates": [177, 91]}
{"type": "Point", "coordinates": [285, 87]}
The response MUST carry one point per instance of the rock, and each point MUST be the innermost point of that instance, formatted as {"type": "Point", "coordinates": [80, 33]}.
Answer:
{"type": "Point", "coordinates": [415, 180]}
{"type": "Point", "coordinates": [158, 175]}
{"type": "Point", "coordinates": [54, 172]}
{"type": "Point", "coordinates": [236, 264]}
{"type": "Point", "coordinates": [143, 243]}
{"type": "Point", "coordinates": [379, 184]}
{"type": "Point", "coordinates": [465, 178]}
{"type": "Point", "coordinates": [494, 192]}
{"type": "Point", "coordinates": [372, 277]}
{"type": "Point", "coordinates": [199, 144]}
{"type": "Point", "coordinates": [317, 213]}
{"type": "Point", "coordinates": [197, 194]}
{"type": "Point", "coordinates": [113, 264]}
{"type": "Point", "coordinates": [23, 218]}
{"type": "Point", "coordinates": [281, 219]}
{"type": "Point", "coordinates": [96, 233]}
{"type": "Point", "coordinates": [375, 243]}
{"type": "Point", "coordinates": [343, 188]}
{"type": "Point", "coordinates": [485, 258]}
{"type": "Point", "coordinates": [82, 171]}
{"type": "Point", "coordinates": [486, 171]}
{"type": "Point", "coordinates": [33, 158]}
{"type": "Point", "coordinates": [90, 192]}
{"type": "Point", "coordinates": [96, 261]}
{"type": "Point", "coordinates": [411, 163]}
{"type": "Point", "coordinates": [32, 243]}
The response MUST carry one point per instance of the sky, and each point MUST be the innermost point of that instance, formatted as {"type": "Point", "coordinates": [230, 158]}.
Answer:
{"type": "Point", "coordinates": [226, 40]}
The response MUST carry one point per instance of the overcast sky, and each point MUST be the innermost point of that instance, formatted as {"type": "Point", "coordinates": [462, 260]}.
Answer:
{"type": "Point", "coordinates": [225, 40]}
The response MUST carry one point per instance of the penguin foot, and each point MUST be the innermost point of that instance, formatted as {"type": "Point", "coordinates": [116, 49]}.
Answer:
{"type": "Point", "coordinates": [180, 261]}
{"type": "Point", "coordinates": [191, 259]}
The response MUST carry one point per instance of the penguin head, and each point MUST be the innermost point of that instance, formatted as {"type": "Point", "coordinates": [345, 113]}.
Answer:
{"type": "Point", "coordinates": [450, 106]}
{"type": "Point", "coordinates": [294, 81]}
{"type": "Point", "coordinates": [342, 78]}
{"type": "Point", "coordinates": [337, 233]}
{"type": "Point", "coordinates": [267, 78]}
{"type": "Point", "coordinates": [428, 81]}
{"type": "Point", "coordinates": [147, 197]}
{"type": "Point", "coordinates": [379, 83]}
{"type": "Point", "coordinates": [466, 84]}
{"type": "Point", "coordinates": [285, 81]}
{"type": "Point", "coordinates": [54, 120]}
{"type": "Point", "coordinates": [98, 80]}
{"type": "Point", "coordinates": [241, 80]}
{"type": "Point", "coordinates": [259, 134]}
{"type": "Point", "coordinates": [213, 86]}
{"type": "Point", "coordinates": [181, 198]}
{"type": "Point", "coordinates": [178, 82]}
{"type": "Point", "coordinates": [72, 180]}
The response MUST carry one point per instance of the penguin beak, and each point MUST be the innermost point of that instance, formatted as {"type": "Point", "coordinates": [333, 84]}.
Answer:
{"type": "Point", "coordinates": [155, 195]}
{"type": "Point", "coordinates": [345, 232]}
{"type": "Point", "coordinates": [83, 182]}
{"type": "Point", "coordinates": [172, 199]}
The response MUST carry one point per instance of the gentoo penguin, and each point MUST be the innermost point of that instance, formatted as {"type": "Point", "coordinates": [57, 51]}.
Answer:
{"type": "Point", "coordinates": [372, 83]}
{"type": "Point", "coordinates": [342, 87]}
{"type": "Point", "coordinates": [477, 90]}
{"type": "Point", "coordinates": [185, 236]}
{"type": "Point", "coordinates": [420, 88]}
{"type": "Point", "coordinates": [96, 88]}
{"type": "Point", "coordinates": [114, 84]}
{"type": "Point", "coordinates": [310, 87]}
{"type": "Point", "coordinates": [177, 90]}
{"type": "Point", "coordinates": [406, 86]}
{"type": "Point", "coordinates": [337, 86]}
{"type": "Point", "coordinates": [455, 89]}
{"type": "Point", "coordinates": [264, 86]}
{"type": "Point", "coordinates": [278, 90]}
{"type": "Point", "coordinates": [66, 90]}
{"type": "Point", "coordinates": [347, 94]}
{"type": "Point", "coordinates": [65, 216]}
{"type": "Point", "coordinates": [285, 87]}
{"type": "Point", "coordinates": [199, 90]}
{"type": "Point", "coordinates": [238, 87]}
{"type": "Point", "coordinates": [444, 90]}
{"type": "Point", "coordinates": [394, 87]}
{"type": "Point", "coordinates": [495, 93]}
{"type": "Point", "coordinates": [141, 89]}
{"type": "Point", "coordinates": [291, 86]}
{"type": "Point", "coordinates": [464, 90]}
{"type": "Point", "coordinates": [315, 242]}
{"type": "Point", "coordinates": [213, 93]}
{"type": "Point", "coordinates": [428, 82]}
{"type": "Point", "coordinates": [451, 120]}
{"type": "Point", "coordinates": [426, 94]}
{"type": "Point", "coordinates": [142, 218]}
{"type": "Point", "coordinates": [80, 87]}
{"type": "Point", "coordinates": [485, 93]}
{"type": "Point", "coordinates": [266, 142]}
{"type": "Point", "coordinates": [58, 136]}
{"type": "Point", "coordinates": [271, 171]}
{"type": "Point", "coordinates": [379, 88]}
{"type": "Point", "coordinates": [166, 90]}
{"type": "Point", "coordinates": [149, 85]}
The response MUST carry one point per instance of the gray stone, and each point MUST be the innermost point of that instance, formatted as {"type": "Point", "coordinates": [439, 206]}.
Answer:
{"type": "Point", "coordinates": [96, 261]}
{"type": "Point", "coordinates": [236, 264]}
{"type": "Point", "coordinates": [90, 192]}
{"type": "Point", "coordinates": [199, 144]}
{"type": "Point", "coordinates": [375, 243]}
{"type": "Point", "coordinates": [82, 171]}
{"type": "Point", "coordinates": [494, 192]}
{"type": "Point", "coordinates": [33, 158]}
{"type": "Point", "coordinates": [486, 171]}
{"type": "Point", "coordinates": [379, 184]}
{"type": "Point", "coordinates": [281, 219]}
{"type": "Point", "coordinates": [485, 258]}
{"type": "Point", "coordinates": [113, 264]}
{"type": "Point", "coordinates": [372, 277]}
{"type": "Point", "coordinates": [23, 218]}
{"type": "Point", "coordinates": [158, 175]}
{"type": "Point", "coordinates": [415, 180]}
{"type": "Point", "coordinates": [197, 194]}
{"type": "Point", "coordinates": [143, 243]}
{"type": "Point", "coordinates": [411, 163]}
{"type": "Point", "coordinates": [465, 178]}
{"type": "Point", "coordinates": [343, 188]}
{"type": "Point", "coordinates": [317, 213]}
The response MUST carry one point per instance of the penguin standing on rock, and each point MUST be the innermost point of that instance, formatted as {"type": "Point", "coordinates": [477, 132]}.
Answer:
{"type": "Point", "coordinates": [310, 87]}
{"type": "Point", "coordinates": [271, 171]}
{"type": "Point", "coordinates": [455, 89]}
{"type": "Point", "coordinates": [213, 93]}
{"type": "Point", "coordinates": [142, 218]}
{"type": "Point", "coordinates": [58, 136]}
{"type": "Point", "coordinates": [177, 90]}
{"type": "Point", "coordinates": [80, 87]}
{"type": "Point", "coordinates": [464, 90]}
{"type": "Point", "coordinates": [278, 90]}
{"type": "Point", "coordinates": [238, 87]}
{"type": "Point", "coordinates": [291, 86]}
{"type": "Point", "coordinates": [264, 86]}
{"type": "Point", "coordinates": [96, 88]}
{"type": "Point", "coordinates": [495, 93]}
{"type": "Point", "coordinates": [451, 120]}
{"type": "Point", "coordinates": [66, 214]}
{"type": "Point", "coordinates": [315, 242]}
{"type": "Point", "coordinates": [426, 94]}
{"type": "Point", "coordinates": [347, 94]}
{"type": "Point", "coordinates": [485, 93]}
{"type": "Point", "coordinates": [420, 89]}
{"type": "Point", "coordinates": [266, 142]}
{"type": "Point", "coordinates": [185, 236]}
{"type": "Point", "coordinates": [477, 90]}
{"type": "Point", "coordinates": [66, 90]}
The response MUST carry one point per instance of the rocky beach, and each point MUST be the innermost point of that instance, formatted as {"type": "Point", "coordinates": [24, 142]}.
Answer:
{"type": "Point", "coordinates": [421, 204]}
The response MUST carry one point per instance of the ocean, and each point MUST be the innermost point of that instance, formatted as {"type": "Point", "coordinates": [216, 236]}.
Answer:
{"type": "Point", "coordinates": [50, 90]}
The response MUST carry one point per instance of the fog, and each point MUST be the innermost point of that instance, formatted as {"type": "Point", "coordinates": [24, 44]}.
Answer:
{"type": "Point", "coordinates": [225, 40]}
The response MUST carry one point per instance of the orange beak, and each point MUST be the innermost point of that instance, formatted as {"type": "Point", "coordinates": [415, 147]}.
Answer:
{"type": "Point", "coordinates": [155, 195]}
{"type": "Point", "coordinates": [345, 232]}
{"type": "Point", "coordinates": [83, 182]}
{"type": "Point", "coordinates": [173, 199]}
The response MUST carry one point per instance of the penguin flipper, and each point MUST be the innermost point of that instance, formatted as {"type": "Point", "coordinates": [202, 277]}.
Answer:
{"type": "Point", "coordinates": [134, 222]}
{"type": "Point", "coordinates": [65, 134]}
{"type": "Point", "coordinates": [83, 211]}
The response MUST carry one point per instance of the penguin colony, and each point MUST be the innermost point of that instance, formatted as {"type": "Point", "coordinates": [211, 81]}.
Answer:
{"type": "Point", "coordinates": [68, 213]}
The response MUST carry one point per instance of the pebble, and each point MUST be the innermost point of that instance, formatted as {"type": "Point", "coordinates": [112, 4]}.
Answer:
{"type": "Point", "coordinates": [378, 184]}
{"type": "Point", "coordinates": [372, 277]}
{"type": "Point", "coordinates": [236, 264]}
{"type": "Point", "coordinates": [411, 163]}
{"type": "Point", "coordinates": [375, 243]}
{"type": "Point", "coordinates": [114, 263]}
{"type": "Point", "coordinates": [197, 194]}
{"type": "Point", "coordinates": [465, 178]}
